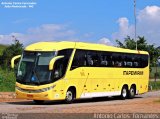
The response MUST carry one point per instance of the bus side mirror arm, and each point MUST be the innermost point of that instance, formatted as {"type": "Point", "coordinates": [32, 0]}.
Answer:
{"type": "Point", "coordinates": [13, 60]}
{"type": "Point", "coordinates": [52, 61]}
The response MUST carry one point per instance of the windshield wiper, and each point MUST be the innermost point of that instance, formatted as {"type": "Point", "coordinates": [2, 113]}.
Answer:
{"type": "Point", "coordinates": [33, 71]}
{"type": "Point", "coordinates": [36, 76]}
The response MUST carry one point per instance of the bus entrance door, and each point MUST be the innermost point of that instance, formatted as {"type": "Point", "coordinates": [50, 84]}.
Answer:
{"type": "Point", "coordinates": [86, 84]}
{"type": "Point", "coordinates": [79, 78]}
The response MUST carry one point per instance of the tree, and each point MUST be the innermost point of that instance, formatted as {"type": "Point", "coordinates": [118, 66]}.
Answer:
{"type": "Point", "coordinates": [11, 51]}
{"type": "Point", "coordinates": [130, 43]}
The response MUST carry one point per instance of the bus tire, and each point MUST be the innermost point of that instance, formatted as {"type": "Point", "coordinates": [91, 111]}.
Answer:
{"type": "Point", "coordinates": [38, 101]}
{"type": "Point", "coordinates": [131, 92]}
{"type": "Point", "coordinates": [70, 96]}
{"type": "Point", "coordinates": [124, 93]}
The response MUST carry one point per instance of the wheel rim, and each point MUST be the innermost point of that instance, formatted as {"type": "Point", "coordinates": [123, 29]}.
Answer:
{"type": "Point", "coordinates": [124, 92]}
{"type": "Point", "coordinates": [132, 92]}
{"type": "Point", "coordinates": [69, 96]}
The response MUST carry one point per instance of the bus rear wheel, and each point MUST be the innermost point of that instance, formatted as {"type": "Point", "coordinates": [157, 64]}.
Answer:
{"type": "Point", "coordinates": [70, 96]}
{"type": "Point", "coordinates": [124, 93]}
{"type": "Point", "coordinates": [38, 101]}
{"type": "Point", "coordinates": [132, 92]}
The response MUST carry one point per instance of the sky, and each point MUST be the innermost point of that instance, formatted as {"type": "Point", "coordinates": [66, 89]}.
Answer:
{"type": "Point", "coordinates": [95, 21]}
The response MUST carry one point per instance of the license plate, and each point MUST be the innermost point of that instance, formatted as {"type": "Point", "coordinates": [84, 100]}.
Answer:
{"type": "Point", "coordinates": [29, 95]}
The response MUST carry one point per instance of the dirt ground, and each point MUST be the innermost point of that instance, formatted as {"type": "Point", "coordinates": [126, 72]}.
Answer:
{"type": "Point", "coordinates": [8, 97]}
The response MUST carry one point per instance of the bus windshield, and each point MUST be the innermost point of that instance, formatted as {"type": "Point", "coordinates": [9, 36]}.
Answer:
{"type": "Point", "coordinates": [33, 68]}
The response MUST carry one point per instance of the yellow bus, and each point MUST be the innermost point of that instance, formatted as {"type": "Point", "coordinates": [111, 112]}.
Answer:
{"type": "Point", "coordinates": [74, 70]}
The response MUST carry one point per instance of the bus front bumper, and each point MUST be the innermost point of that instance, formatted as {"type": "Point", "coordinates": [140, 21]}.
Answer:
{"type": "Point", "coordinates": [47, 95]}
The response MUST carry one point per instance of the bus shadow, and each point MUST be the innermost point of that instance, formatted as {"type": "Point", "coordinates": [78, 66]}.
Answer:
{"type": "Point", "coordinates": [90, 100]}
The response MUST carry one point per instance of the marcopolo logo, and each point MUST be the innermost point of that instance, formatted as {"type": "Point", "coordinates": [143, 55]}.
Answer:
{"type": "Point", "coordinates": [132, 72]}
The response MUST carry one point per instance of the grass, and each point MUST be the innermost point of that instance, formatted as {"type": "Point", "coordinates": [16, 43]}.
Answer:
{"type": "Point", "coordinates": [7, 78]}
{"type": "Point", "coordinates": [155, 85]}
{"type": "Point", "coordinates": [7, 81]}
{"type": "Point", "coordinates": [153, 71]}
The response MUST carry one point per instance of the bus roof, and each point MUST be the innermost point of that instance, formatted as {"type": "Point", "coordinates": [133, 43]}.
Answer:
{"type": "Point", "coordinates": [54, 46]}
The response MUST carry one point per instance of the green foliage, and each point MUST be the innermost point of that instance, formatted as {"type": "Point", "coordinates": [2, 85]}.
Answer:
{"type": "Point", "coordinates": [155, 85]}
{"type": "Point", "coordinates": [2, 47]}
{"type": "Point", "coordinates": [11, 51]}
{"type": "Point", "coordinates": [130, 43]}
{"type": "Point", "coordinates": [7, 76]}
{"type": "Point", "coordinates": [153, 71]}
{"type": "Point", "coordinates": [7, 80]}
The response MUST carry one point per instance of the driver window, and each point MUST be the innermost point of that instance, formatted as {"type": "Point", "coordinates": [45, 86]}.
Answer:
{"type": "Point", "coordinates": [58, 70]}
{"type": "Point", "coordinates": [61, 65]}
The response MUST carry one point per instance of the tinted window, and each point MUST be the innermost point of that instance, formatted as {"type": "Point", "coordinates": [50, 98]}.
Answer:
{"type": "Point", "coordinates": [80, 59]}
{"type": "Point", "coordinates": [93, 58]}
{"type": "Point", "coordinates": [108, 59]}
{"type": "Point", "coordinates": [60, 65]}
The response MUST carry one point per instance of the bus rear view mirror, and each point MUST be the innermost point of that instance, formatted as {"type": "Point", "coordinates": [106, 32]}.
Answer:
{"type": "Point", "coordinates": [13, 60]}
{"type": "Point", "coordinates": [52, 61]}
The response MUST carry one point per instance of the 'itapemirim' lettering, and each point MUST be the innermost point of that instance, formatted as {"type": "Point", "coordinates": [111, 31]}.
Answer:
{"type": "Point", "coordinates": [132, 72]}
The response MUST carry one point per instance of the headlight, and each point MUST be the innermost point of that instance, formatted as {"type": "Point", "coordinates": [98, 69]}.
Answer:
{"type": "Point", "coordinates": [46, 89]}
{"type": "Point", "coordinates": [35, 91]}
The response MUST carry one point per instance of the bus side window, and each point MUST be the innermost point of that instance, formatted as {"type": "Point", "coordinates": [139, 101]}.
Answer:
{"type": "Point", "coordinates": [124, 63]}
{"type": "Point", "coordinates": [89, 60]}
{"type": "Point", "coordinates": [79, 59]}
{"type": "Point", "coordinates": [135, 64]}
{"type": "Point", "coordinates": [104, 61]}
{"type": "Point", "coordinates": [143, 61]}
{"type": "Point", "coordinates": [117, 60]}
{"type": "Point", "coordinates": [93, 58]}
{"type": "Point", "coordinates": [129, 64]}
{"type": "Point", "coordinates": [128, 60]}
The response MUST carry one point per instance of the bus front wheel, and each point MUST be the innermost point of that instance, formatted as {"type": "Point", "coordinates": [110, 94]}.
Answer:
{"type": "Point", "coordinates": [124, 93]}
{"type": "Point", "coordinates": [70, 95]}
